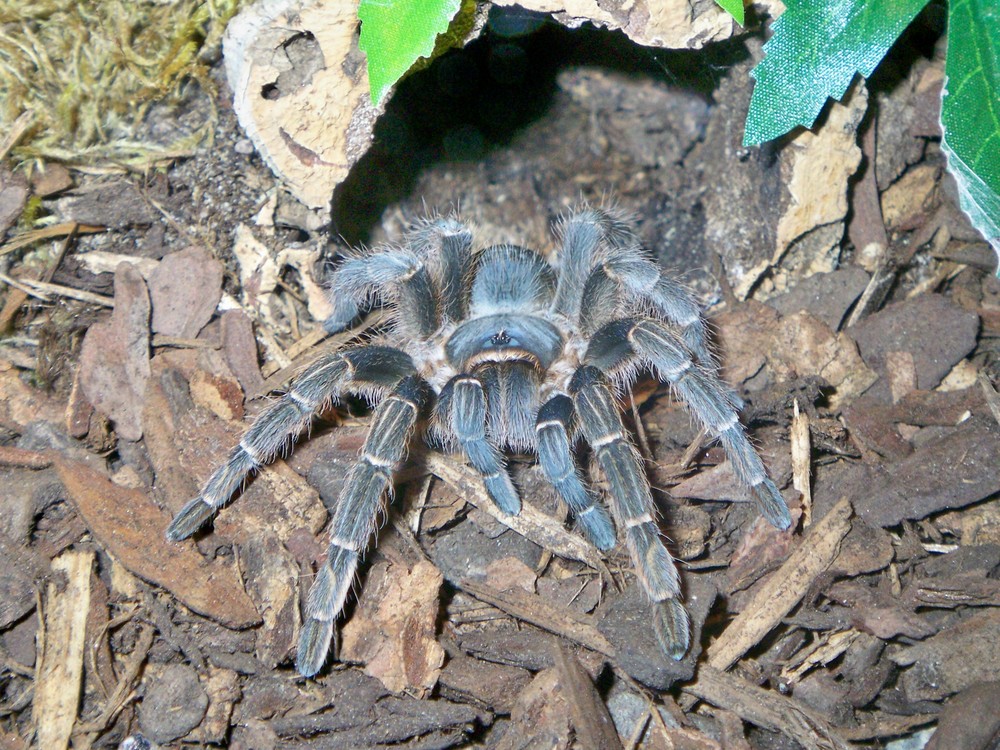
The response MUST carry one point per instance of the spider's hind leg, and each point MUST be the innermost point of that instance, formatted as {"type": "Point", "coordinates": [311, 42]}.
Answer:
{"type": "Point", "coordinates": [354, 518]}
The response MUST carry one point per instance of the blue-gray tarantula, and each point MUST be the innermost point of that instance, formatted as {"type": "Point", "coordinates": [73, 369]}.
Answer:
{"type": "Point", "coordinates": [500, 350]}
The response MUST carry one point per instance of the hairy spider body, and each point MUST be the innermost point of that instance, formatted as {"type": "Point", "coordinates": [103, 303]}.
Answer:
{"type": "Point", "coordinates": [505, 352]}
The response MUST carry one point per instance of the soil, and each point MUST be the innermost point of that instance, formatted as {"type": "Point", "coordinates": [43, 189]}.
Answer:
{"type": "Point", "coordinates": [868, 388]}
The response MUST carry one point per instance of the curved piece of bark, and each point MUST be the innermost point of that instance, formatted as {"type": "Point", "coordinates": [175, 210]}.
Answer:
{"type": "Point", "coordinates": [300, 82]}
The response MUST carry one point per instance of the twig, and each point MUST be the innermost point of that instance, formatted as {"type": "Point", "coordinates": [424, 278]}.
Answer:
{"type": "Point", "coordinates": [17, 129]}
{"type": "Point", "coordinates": [542, 529]}
{"type": "Point", "coordinates": [56, 230]}
{"type": "Point", "coordinates": [175, 342]}
{"type": "Point", "coordinates": [802, 462]}
{"type": "Point", "coordinates": [991, 395]}
{"type": "Point", "coordinates": [278, 376]}
{"type": "Point", "coordinates": [41, 290]}
{"type": "Point", "coordinates": [533, 609]}
{"type": "Point", "coordinates": [764, 708]}
{"type": "Point", "coordinates": [784, 588]}
{"type": "Point", "coordinates": [24, 458]}
{"type": "Point", "coordinates": [123, 691]}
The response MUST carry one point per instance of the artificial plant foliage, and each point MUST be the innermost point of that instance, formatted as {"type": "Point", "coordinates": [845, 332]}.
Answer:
{"type": "Point", "coordinates": [814, 53]}
{"type": "Point", "coordinates": [733, 8]}
{"type": "Point", "coordinates": [396, 33]}
{"type": "Point", "coordinates": [970, 111]}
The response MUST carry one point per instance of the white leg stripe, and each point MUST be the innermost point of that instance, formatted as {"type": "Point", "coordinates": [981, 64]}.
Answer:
{"type": "Point", "coordinates": [336, 541]}
{"type": "Point", "coordinates": [611, 437]}
{"type": "Point", "coordinates": [675, 374]}
{"type": "Point", "coordinates": [545, 425]}
{"type": "Point", "coordinates": [730, 424]}
{"type": "Point", "coordinates": [376, 461]}
{"type": "Point", "coordinates": [255, 455]}
{"type": "Point", "coordinates": [638, 521]}
{"type": "Point", "coordinates": [300, 400]}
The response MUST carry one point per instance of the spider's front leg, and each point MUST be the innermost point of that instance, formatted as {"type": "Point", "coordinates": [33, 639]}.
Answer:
{"type": "Point", "coordinates": [713, 405]}
{"type": "Point", "coordinates": [632, 505]}
{"type": "Point", "coordinates": [366, 368]}
{"type": "Point", "coordinates": [465, 411]}
{"type": "Point", "coordinates": [555, 457]}
{"type": "Point", "coordinates": [354, 519]}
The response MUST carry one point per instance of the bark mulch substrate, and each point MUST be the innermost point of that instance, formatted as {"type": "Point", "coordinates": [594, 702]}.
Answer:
{"type": "Point", "coordinates": [869, 389]}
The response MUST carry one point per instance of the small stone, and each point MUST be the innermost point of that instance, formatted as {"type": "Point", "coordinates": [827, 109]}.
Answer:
{"type": "Point", "coordinates": [174, 704]}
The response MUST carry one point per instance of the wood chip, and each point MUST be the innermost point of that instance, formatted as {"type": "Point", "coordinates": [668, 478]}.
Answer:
{"type": "Point", "coordinates": [58, 679]}
{"type": "Point", "coordinates": [765, 708]}
{"type": "Point", "coordinates": [591, 720]}
{"type": "Point", "coordinates": [240, 348]}
{"type": "Point", "coordinates": [20, 404]}
{"type": "Point", "coordinates": [784, 588]}
{"type": "Point", "coordinates": [131, 527]}
{"type": "Point", "coordinates": [820, 205]}
{"type": "Point", "coordinates": [392, 631]}
{"type": "Point", "coordinates": [802, 462]}
{"type": "Point", "coordinates": [949, 472]}
{"type": "Point", "coordinates": [936, 331]}
{"type": "Point", "coordinates": [114, 358]}
{"type": "Point", "coordinates": [542, 529]}
{"type": "Point", "coordinates": [954, 659]}
{"type": "Point", "coordinates": [575, 626]}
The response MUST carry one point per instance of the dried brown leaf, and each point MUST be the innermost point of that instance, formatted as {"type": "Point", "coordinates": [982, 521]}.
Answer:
{"type": "Point", "coordinates": [131, 527]}
{"type": "Point", "coordinates": [185, 288]}
{"type": "Point", "coordinates": [114, 358]}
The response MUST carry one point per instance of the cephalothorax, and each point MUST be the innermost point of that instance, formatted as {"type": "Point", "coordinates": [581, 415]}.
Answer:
{"type": "Point", "coordinates": [496, 350]}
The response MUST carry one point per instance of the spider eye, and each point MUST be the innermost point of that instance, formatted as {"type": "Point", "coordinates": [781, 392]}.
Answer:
{"type": "Point", "coordinates": [500, 338]}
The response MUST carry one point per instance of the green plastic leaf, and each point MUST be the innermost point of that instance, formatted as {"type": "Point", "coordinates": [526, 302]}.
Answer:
{"type": "Point", "coordinates": [970, 112]}
{"type": "Point", "coordinates": [816, 49]}
{"type": "Point", "coordinates": [733, 8]}
{"type": "Point", "coordinates": [396, 33]}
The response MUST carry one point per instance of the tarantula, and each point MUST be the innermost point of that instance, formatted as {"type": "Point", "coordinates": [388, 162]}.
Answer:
{"type": "Point", "coordinates": [500, 350]}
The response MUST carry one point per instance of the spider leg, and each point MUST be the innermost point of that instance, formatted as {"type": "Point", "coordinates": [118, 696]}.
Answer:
{"type": "Point", "coordinates": [632, 505]}
{"type": "Point", "coordinates": [586, 235]}
{"type": "Point", "coordinates": [354, 519]}
{"type": "Point", "coordinates": [468, 406]}
{"type": "Point", "coordinates": [708, 398]}
{"type": "Point", "coordinates": [447, 244]}
{"type": "Point", "coordinates": [630, 280]}
{"type": "Point", "coordinates": [400, 275]}
{"type": "Point", "coordinates": [370, 368]}
{"type": "Point", "coordinates": [555, 456]}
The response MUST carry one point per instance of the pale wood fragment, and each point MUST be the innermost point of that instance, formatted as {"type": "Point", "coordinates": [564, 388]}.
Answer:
{"type": "Point", "coordinates": [542, 529]}
{"type": "Point", "coordinates": [784, 588]}
{"type": "Point", "coordinates": [765, 708]}
{"type": "Point", "coordinates": [58, 679]}
{"type": "Point", "coordinates": [802, 462]}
